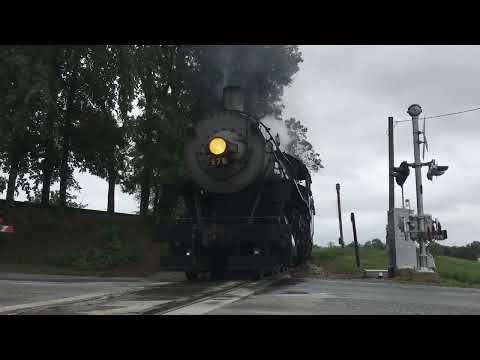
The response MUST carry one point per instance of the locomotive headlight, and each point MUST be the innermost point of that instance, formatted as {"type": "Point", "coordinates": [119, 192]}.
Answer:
{"type": "Point", "coordinates": [217, 146]}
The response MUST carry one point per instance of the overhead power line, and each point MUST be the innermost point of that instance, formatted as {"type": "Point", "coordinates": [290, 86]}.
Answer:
{"type": "Point", "coordinates": [443, 115]}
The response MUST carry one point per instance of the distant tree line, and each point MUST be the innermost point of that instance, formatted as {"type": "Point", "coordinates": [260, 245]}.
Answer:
{"type": "Point", "coordinates": [469, 252]}
{"type": "Point", "coordinates": [119, 112]}
{"type": "Point", "coordinates": [372, 244]}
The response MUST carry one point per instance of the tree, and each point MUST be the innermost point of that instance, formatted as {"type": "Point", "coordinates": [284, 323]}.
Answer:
{"type": "Point", "coordinates": [45, 147]}
{"type": "Point", "coordinates": [469, 252]}
{"type": "Point", "coordinates": [55, 200]}
{"type": "Point", "coordinates": [3, 184]}
{"type": "Point", "coordinates": [52, 156]}
{"type": "Point", "coordinates": [142, 129]}
{"type": "Point", "coordinates": [165, 78]}
{"type": "Point", "coordinates": [300, 147]}
{"type": "Point", "coordinates": [375, 244]}
{"type": "Point", "coordinates": [109, 94]}
{"type": "Point", "coordinates": [21, 92]}
{"type": "Point", "coordinates": [71, 96]}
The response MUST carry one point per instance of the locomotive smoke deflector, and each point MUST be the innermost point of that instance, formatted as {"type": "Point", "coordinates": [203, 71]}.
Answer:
{"type": "Point", "coordinates": [233, 98]}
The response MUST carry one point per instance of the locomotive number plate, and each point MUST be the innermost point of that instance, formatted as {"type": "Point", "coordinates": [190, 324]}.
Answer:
{"type": "Point", "coordinates": [217, 161]}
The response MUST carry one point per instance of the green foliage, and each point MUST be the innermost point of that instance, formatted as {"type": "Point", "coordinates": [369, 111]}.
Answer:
{"type": "Point", "coordinates": [55, 199]}
{"type": "Point", "coordinates": [101, 138]}
{"type": "Point", "coordinates": [97, 259]}
{"type": "Point", "coordinates": [468, 252]}
{"type": "Point", "coordinates": [3, 184]}
{"type": "Point", "coordinates": [21, 93]}
{"type": "Point", "coordinates": [375, 244]}
{"type": "Point", "coordinates": [116, 252]}
{"type": "Point", "coordinates": [300, 147]}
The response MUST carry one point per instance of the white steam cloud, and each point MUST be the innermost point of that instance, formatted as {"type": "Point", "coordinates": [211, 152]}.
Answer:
{"type": "Point", "coordinates": [278, 127]}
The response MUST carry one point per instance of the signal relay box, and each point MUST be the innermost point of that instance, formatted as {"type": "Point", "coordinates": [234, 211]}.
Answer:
{"type": "Point", "coordinates": [403, 246]}
{"type": "Point", "coordinates": [403, 251]}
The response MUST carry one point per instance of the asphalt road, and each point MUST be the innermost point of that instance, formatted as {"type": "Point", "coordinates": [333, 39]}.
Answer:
{"type": "Point", "coordinates": [170, 294]}
{"type": "Point", "coordinates": [22, 291]}
{"type": "Point", "coordinates": [358, 297]}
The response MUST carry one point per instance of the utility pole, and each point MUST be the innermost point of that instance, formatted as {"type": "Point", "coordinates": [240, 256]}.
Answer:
{"type": "Point", "coordinates": [391, 199]}
{"type": "Point", "coordinates": [414, 111]}
{"type": "Point", "coordinates": [357, 257]}
{"type": "Point", "coordinates": [342, 243]}
{"type": "Point", "coordinates": [403, 199]}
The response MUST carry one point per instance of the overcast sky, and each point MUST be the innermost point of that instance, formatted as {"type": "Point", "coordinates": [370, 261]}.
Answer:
{"type": "Point", "coordinates": [344, 95]}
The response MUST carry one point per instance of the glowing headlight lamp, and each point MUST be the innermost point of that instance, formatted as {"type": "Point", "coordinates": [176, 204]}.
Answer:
{"type": "Point", "coordinates": [217, 146]}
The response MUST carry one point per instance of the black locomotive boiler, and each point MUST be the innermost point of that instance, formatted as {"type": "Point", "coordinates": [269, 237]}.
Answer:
{"type": "Point", "coordinates": [249, 204]}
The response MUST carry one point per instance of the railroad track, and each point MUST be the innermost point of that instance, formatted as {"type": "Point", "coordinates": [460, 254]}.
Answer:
{"type": "Point", "coordinates": [211, 300]}
{"type": "Point", "coordinates": [215, 298]}
{"type": "Point", "coordinates": [153, 300]}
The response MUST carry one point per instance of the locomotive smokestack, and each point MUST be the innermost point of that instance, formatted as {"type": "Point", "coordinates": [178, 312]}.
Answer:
{"type": "Point", "coordinates": [233, 98]}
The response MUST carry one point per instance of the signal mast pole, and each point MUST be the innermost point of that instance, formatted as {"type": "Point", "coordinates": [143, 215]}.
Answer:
{"type": "Point", "coordinates": [391, 199]}
{"type": "Point", "coordinates": [414, 111]}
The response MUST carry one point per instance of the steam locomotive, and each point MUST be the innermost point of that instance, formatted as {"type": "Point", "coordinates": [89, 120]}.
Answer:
{"type": "Point", "coordinates": [249, 204]}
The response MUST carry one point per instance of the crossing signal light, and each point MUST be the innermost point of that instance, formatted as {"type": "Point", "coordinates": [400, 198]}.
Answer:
{"type": "Point", "coordinates": [401, 173]}
{"type": "Point", "coordinates": [435, 170]}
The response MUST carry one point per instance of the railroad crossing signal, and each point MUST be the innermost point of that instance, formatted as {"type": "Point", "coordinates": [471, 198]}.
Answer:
{"type": "Point", "coordinates": [401, 173]}
{"type": "Point", "coordinates": [433, 229]}
{"type": "Point", "coordinates": [435, 170]}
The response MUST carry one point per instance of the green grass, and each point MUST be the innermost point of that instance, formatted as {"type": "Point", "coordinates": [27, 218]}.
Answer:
{"type": "Point", "coordinates": [336, 260]}
{"type": "Point", "coordinates": [458, 270]}
{"type": "Point", "coordinates": [342, 261]}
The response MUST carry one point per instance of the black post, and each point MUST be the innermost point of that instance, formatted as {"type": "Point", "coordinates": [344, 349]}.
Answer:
{"type": "Point", "coordinates": [340, 240]}
{"type": "Point", "coordinates": [357, 257]}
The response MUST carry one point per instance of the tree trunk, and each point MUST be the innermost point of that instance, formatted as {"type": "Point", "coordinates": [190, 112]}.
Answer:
{"type": "Point", "coordinates": [147, 84]}
{"type": "Point", "coordinates": [145, 191]}
{"type": "Point", "coordinates": [64, 168]}
{"type": "Point", "coordinates": [12, 178]}
{"type": "Point", "coordinates": [112, 177]}
{"type": "Point", "coordinates": [47, 175]}
{"type": "Point", "coordinates": [156, 201]}
{"type": "Point", "coordinates": [48, 164]}
{"type": "Point", "coordinates": [65, 172]}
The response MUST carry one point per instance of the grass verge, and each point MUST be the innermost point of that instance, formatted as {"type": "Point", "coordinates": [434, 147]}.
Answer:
{"type": "Point", "coordinates": [452, 271]}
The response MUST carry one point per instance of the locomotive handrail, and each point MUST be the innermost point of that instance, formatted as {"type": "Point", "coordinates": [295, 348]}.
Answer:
{"type": "Point", "coordinates": [284, 157]}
